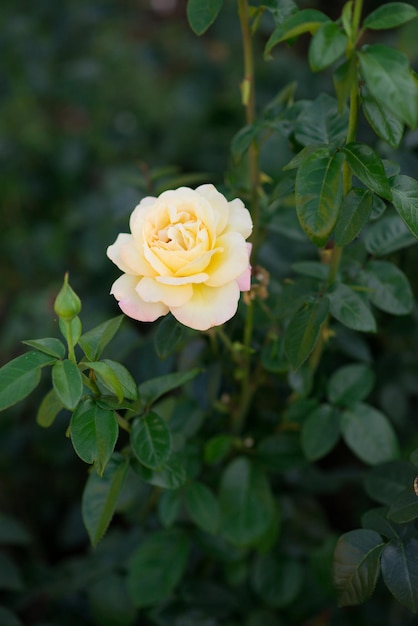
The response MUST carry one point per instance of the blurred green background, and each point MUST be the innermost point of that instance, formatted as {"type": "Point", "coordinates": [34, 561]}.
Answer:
{"type": "Point", "coordinates": [102, 102]}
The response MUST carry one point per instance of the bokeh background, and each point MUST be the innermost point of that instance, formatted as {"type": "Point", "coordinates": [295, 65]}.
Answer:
{"type": "Point", "coordinates": [102, 102]}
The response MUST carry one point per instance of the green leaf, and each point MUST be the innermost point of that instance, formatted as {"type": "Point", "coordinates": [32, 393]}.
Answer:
{"type": "Point", "coordinates": [404, 508]}
{"type": "Point", "coordinates": [318, 195]}
{"type": "Point", "coordinates": [390, 15]}
{"type": "Point", "coordinates": [354, 214]}
{"type": "Point", "coordinates": [303, 331]}
{"type": "Point", "coordinates": [242, 141]}
{"type": "Point", "coordinates": [217, 448]}
{"type": "Point", "coordinates": [157, 566]}
{"type": "Point", "coordinates": [100, 496]}
{"type": "Point", "coordinates": [356, 565]}
{"type": "Point", "coordinates": [168, 336]}
{"type": "Point", "coordinates": [172, 476]}
{"type": "Point", "coordinates": [19, 377]}
{"type": "Point", "coordinates": [350, 309]}
{"type": "Point", "coordinates": [405, 200]}
{"type": "Point", "coordinates": [321, 123]}
{"type": "Point", "coordinates": [343, 78]}
{"type": "Point", "coordinates": [48, 410]}
{"type": "Point", "coordinates": [154, 388]}
{"type": "Point", "coordinates": [385, 124]}
{"type": "Point", "coordinates": [313, 269]}
{"type": "Point", "coordinates": [305, 21]}
{"type": "Point", "coordinates": [202, 507]}
{"type": "Point", "coordinates": [109, 600]}
{"type": "Point", "coordinates": [107, 376]}
{"type": "Point", "coordinates": [68, 383]}
{"type": "Point", "coordinates": [388, 235]}
{"type": "Point", "coordinates": [400, 571]}
{"type": "Point", "coordinates": [49, 345]}
{"type": "Point", "coordinates": [281, 452]}
{"type": "Point", "coordinates": [389, 288]}
{"type": "Point", "coordinates": [368, 167]}
{"type": "Point", "coordinates": [327, 45]}
{"type": "Point", "coordinates": [151, 440]}
{"type": "Point", "coordinates": [94, 341]}
{"type": "Point", "coordinates": [72, 332]}
{"type": "Point", "coordinates": [245, 501]}
{"type": "Point", "coordinates": [350, 384]}
{"type": "Point", "coordinates": [276, 582]}
{"type": "Point", "coordinates": [129, 386]}
{"type": "Point", "coordinates": [202, 13]}
{"type": "Point", "coordinates": [94, 432]}
{"type": "Point", "coordinates": [320, 432]}
{"type": "Point", "coordinates": [387, 75]}
{"type": "Point", "coordinates": [376, 519]}
{"type": "Point", "coordinates": [385, 482]}
{"type": "Point", "coordinates": [369, 434]}
{"type": "Point", "coordinates": [169, 504]}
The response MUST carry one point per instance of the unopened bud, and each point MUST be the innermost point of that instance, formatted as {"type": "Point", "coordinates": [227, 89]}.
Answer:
{"type": "Point", "coordinates": [67, 304]}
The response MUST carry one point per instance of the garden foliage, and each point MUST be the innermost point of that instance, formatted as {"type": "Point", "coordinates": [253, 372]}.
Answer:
{"type": "Point", "coordinates": [260, 473]}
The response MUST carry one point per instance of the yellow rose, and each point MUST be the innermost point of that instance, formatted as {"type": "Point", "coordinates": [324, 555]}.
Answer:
{"type": "Point", "coordinates": [187, 254]}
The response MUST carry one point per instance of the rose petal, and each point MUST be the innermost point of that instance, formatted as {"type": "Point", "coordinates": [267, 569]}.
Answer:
{"type": "Point", "coordinates": [230, 263]}
{"type": "Point", "coordinates": [239, 218]}
{"type": "Point", "coordinates": [219, 203]}
{"type": "Point", "coordinates": [182, 280]}
{"type": "Point", "coordinates": [134, 260]}
{"type": "Point", "coordinates": [132, 304]}
{"type": "Point", "coordinates": [114, 252]}
{"type": "Point", "coordinates": [171, 295]}
{"type": "Point", "coordinates": [208, 306]}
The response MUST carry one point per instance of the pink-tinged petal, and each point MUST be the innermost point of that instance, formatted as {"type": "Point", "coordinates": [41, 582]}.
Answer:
{"type": "Point", "coordinates": [132, 304]}
{"type": "Point", "coordinates": [230, 262]}
{"type": "Point", "coordinates": [209, 306]}
{"type": "Point", "coordinates": [171, 295]}
{"type": "Point", "coordinates": [219, 203]}
{"type": "Point", "coordinates": [114, 252]}
{"type": "Point", "coordinates": [244, 281]}
{"type": "Point", "coordinates": [239, 219]}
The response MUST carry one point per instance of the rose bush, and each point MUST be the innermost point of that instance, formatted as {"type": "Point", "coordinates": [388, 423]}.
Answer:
{"type": "Point", "coordinates": [187, 253]}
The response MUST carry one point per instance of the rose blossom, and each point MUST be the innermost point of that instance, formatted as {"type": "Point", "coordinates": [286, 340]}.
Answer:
{"type": "Point", "coordinates": [187, 254]}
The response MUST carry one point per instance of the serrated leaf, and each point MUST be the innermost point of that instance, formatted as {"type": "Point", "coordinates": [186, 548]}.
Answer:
{"type": "Point", "coordinates": [389, 288]}
{"type": "Point", "coordinates": [172, 476]}
{"type": "Point", "coordinates": [203, 507]}
{"type": "Point", "coordinates": [350, 384]}
{"type": "Point", "coordinates": [154, 388]}
{"type": "Point", "coordinates": [100, 496]}
{"type": "Point", "coordinates": [107, 376]}
{"type": "Point", "coordinates": [49, 345]}
{"type": "Point", "coordinates": [72, 331]}
{"type": "Point", "coordinates": [202, 13]}
{"type": "Point", "coordinates": [390, 15]}
{"type": "Point", "coordinates": [369, 434]}
{"type": "Point", "coordinates": [321, 123]}
{"type": "Point", "coordinates": [349, 308]}
{"type": "Point", "coordinates": [245, 501]}
{"type": "Point", "coordinates": [388, 235]}
{"type": "Point", "coordinates": [387, 75]}
{"type": "Point", "coordinates": [385, 124]}
{"type": "Point", "coordinates": [157, 566]}
{"type": "Point", "coordinates": [365, 163]}
{"type": "Point", "coordinates": [400, 571]}
{"type": "Point", "coordinates": [318, 195]}
{"type": "Point", "coordinates": [94, 432]}
{"type": "Point", "coordinates": [20, 377]}
{"type": "Point", "coordinates": [307, 20]}
{"type": "Point", "coordinates": [327, 46]}
{"type": "Point", "coordinates": [94, 341]}
{"type": "Point", "coordinates": [356, 565]}
{"type": "Point", "coordinates": [151, 440]}
{"type": "Point", "coordinates": [405, 200]}
{"type": "Point", "coordinates": [320, 432]}
{"type": "Point", "coordinates": [68, 383]}
{"type": "Point", "coordinates": [242, 141]}
{"type": "Point", "coordinates": [354, 214]}
{"type": "Point", "coordinates": [128, 384]}
{"type": "Point", "coordinates": [303, 331]}
{"type": "Point", "coordinates": [48, 410]}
